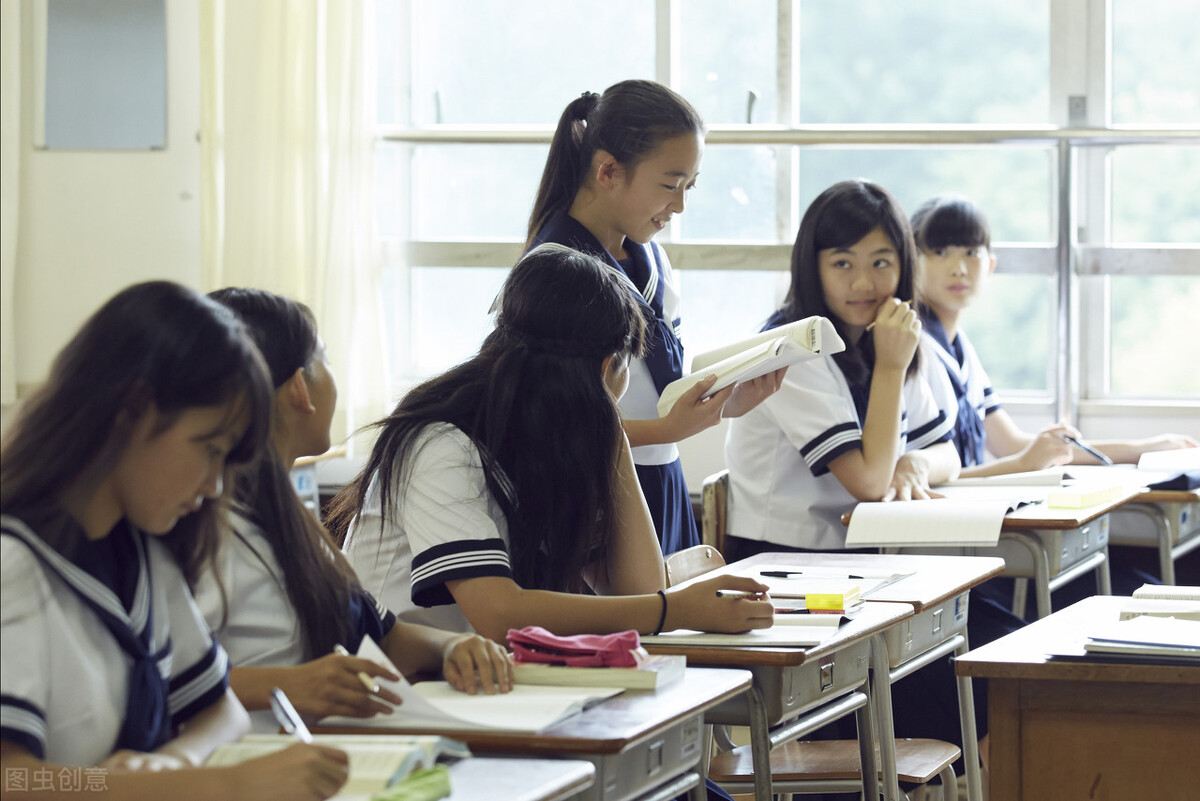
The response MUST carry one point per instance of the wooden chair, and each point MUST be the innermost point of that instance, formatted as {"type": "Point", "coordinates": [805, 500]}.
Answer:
{"type": "Point", "coordinates": [814, 766]}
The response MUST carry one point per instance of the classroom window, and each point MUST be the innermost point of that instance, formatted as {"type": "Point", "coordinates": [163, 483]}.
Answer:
{"type": "Point", "coordinates": [452, 70]}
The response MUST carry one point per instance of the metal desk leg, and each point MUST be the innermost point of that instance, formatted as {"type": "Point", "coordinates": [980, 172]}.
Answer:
{"type": "Point", "coordinates": [760, 745]}
{"type": "Point", "coordinates": [881, 693]}
{"type": "Point", "coordinates": [1041, 569]}
{"type": "Point", "coordinates": [1104, 576]}
{"type": "Point", "coordinates": [1020, 592]}
{"type": "Point", "coordinates": [970, 732]}
{"type": "Point", "coordinates": [867, 733]}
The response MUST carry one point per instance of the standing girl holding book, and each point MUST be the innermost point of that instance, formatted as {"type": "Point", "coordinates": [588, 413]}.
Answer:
{"type": "Point", "coordinates": [111, 500]}
{"type": "Point", "coordinates": [278, 577]}
{"type": "Point", "coordinates": [854, 426]}
{"type": "Point", "coordinates": [620, 167]}
{"type": "Point", "coordinates": [502, 494]}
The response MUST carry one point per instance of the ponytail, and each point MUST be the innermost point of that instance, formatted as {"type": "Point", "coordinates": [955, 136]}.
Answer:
{"type": "Point", "coordinates": [570, 155]}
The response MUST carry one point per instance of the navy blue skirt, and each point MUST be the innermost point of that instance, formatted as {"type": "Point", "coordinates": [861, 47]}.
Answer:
{"type": "Point", "coordinates": [670, 505]}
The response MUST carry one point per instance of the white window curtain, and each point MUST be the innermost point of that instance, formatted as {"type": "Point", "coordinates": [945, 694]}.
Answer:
{"type": "Point", "coordinates": [10, 184]}
{"type": "Point", "coordinates": [287, 106]}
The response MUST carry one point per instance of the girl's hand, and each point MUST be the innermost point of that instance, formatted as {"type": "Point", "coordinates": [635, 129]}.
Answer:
{"type": "Point", "coordinates": [897, 331]}
{"type": "Point", "coordinates": [1167, 442]}
{"type": "Point", "coordinates": [693, 413]}
{"type": "Point", "coordinates": [910, 479]}
{"type": "Point", "coordinates": [297, 773]}
{"type": "Point", "coordinates": [697, 606]}
{"type": "Point", "coordinates": [125, 760]}
{"type": "Point", "coordinates": [472, 662]}
{"type": "Point", "coordinates": [331, 686]}
{"type": "Point", "coordinates": [748, 394]}
{"type": "Point", "coordinates": [1048, 448]}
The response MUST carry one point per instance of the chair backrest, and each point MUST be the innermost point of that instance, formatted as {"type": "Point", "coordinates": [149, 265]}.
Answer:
{"type": "Point", "coordinates": [715, 507]}
{"type": "Point", "coordinates": [692, 562]}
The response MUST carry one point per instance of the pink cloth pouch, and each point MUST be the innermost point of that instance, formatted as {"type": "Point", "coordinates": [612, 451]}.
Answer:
{"type": "Point", "coordinates": [535, 644]}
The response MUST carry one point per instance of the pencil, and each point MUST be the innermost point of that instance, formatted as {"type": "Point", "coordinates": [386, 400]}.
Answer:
{"type": "Point", "coordinates": [367, 681]}
{"type": "Point", "coordinates": [871, 324]}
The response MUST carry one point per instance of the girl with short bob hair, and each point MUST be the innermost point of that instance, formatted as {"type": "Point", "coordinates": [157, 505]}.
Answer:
{"type": "Point", "coordinates": [111, 498]}
{"type": "Point", "coordinates": [855, 426]}
{"type": "Point", "coordinates": [501, 492]}
{"type": "Point", "coordinates": [620, 167]}
{"type": "Point", "coordinates": [279, 578]}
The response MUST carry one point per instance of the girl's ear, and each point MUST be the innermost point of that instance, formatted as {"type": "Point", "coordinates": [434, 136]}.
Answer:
{"type": "Point", "coordinates": [295, 392]}
{"type": "Point", "coordinates": [606, 169]}
{"type": "Point", "coordinates": [992, 263]}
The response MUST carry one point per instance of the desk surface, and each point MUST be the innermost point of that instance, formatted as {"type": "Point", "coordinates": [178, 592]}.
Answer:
{"type": "Point", "coordinates": [873, 619]}
{"type": "Point", "coordinates": [1041, 516]}
{"type": "Point", "coordinates": [1022, 654]}
{"type": "Point", "coordinates": [1167, 496]}
{"type": "Point", "coordinates": [934, 580]}
{"type": "Point", "coordinates": [519, 779]}
{"type": "Point", "coordinates": [608, 727]}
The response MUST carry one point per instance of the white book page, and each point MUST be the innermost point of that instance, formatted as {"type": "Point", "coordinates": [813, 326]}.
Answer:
{"type": "Point", "coordinates": [794, 581]}
{"type": "Point", "coordinates": [933, 522]}
{"type": "Point", "coordinates": [1175, 461]}
{"type": "Point", "coordinates": [821, 629]}
{"type": "Point", "coordinates": [436, 706]}
{"type": "Point", "coordinates": [1051, 477]}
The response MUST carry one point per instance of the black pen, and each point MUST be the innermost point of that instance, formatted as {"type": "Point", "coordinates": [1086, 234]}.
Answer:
{"type": "Point", "coordinates": [789, 573]}
{"type": "Point", "coordinates": [1088, 449]}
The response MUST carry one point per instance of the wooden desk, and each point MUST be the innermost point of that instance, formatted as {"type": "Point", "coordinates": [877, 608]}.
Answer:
{"type": "Point", "coordinates": [798, 690]}
{"type": "Point", "coordinates": [937, 591]}
{"type": "Point", "coordinates": [644, 744]}
{"type": "Point", "coordinates": [519, 779]}
{"type": "Point", "coordinates": [1175, 517]}
{"type": "Point", "coordinates": [1088, 730]}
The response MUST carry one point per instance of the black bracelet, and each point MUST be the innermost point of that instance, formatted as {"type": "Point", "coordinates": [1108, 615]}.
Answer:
{"type": "Point", "coordinates": [663, 617]}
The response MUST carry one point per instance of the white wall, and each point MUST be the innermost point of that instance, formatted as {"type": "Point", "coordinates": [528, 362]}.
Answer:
{"type": "Point", "coordinates": [92, 223]}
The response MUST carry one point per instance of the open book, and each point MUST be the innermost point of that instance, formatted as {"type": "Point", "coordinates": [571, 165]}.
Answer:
{"type": "Point", "coordinates": [796, 581]}
{"type": "Point", "coordinates": [936, 522]}
{"type": "Point", "coordinates": [799, 630]}
{"type": "Point", "coordinates": [377, 761]}
{"type": "Point", "coordinates": [436, 706]}
{"type": "Point", "coordinates": [756, 356]}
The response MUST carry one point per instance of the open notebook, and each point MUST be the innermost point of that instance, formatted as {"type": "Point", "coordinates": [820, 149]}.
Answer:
{"type": "Point", "coordinates": [436, 706]}
{"type": "Point", "coordinates": [806, 630]}
{"type": "Point", "coordinates": [755, 356]}
{"type": "Point", "coordinates": [937, 522]}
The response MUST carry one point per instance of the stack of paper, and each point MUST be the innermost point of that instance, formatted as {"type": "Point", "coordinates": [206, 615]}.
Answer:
{"type": "Point", "coordinates": [1147, 635]}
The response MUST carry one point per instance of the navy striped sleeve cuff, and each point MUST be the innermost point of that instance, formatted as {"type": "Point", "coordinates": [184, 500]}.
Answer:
{"type": "Point", "coordinates": [991, 401]}
{"type": "Point", "coordinates": [200, 686]}
{"type": "Point", "coordinates": [829, 445]}
{"type": "Point", "coordinates": [939, 429]}
{"type": "Point", "coordinates": [24, 724]}
{"type": "Point", "coordinates": [450, 561]}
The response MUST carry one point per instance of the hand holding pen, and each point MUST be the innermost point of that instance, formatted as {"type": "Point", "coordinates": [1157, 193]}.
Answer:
{"type": "Point", "coordinates": [340, 684]}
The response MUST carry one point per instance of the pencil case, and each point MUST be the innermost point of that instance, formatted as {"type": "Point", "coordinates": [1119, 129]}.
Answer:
{"type": "Point", "coordinates": [535, 644]}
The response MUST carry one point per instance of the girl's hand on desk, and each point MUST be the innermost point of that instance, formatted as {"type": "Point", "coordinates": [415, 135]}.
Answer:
{"type": "Point", "coordinates": [473, 662]}
{"type": "Point", "coordinates": [331, 686]}
{"type": "Point", "coordinates": [126, 760]}
{"type": "Point", "coordinates": [693, 413]}
{"type": "Point", "coordinates": [697, 606]}
{"type": "Point", "coordinates": [297, 773]}
{"type": "Point", "coordinates": [1048, 448]}
{"type": "Point", "coordinates": [910, 480]}
{"type": "Point", "coordinates": [748, 394]}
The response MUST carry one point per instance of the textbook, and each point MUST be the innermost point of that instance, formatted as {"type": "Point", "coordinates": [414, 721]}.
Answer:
{"type": "Point", "coordinates": [811, 630]}
{"type": "Point", "coordinates": [1051, 477]}
{"type": "Point", "coordinates": [758, 355]}
{"type": "Point", "coordinates": [936, 522]}
{"type": "Point", "coordinates": [436, 706]}
{"type": "Point", "coordinates": [794, 581]}
{"type": "Point", "coordinates": [1148, 635]}
{"type": "Point", "coordinates": [377, 761]}
{"type": "Point", "coordinates": [1158, 607]}
{"type": "Point", "coordinates": [652, 672]}
{"type": "Point", "coordinates": [1173, 592]}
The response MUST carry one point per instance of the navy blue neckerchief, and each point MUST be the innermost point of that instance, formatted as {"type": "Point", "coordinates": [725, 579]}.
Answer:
{"type": "Point", "coordinates": [93, 573]}
{"type": "Point", "coordinates": [664, 352]}
{"type": "Point", "coordinates": [969, 435]}
{"type": "Point", "coordinates": [859, 393]}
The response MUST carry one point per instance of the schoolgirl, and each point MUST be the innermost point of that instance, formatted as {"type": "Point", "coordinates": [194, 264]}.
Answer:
{"type": "Point", "coordinates": [620, 167]}
{"type": "Point", "coordinates": [278, 577]}
{"type": "Point", "coordinates": [503, 493]}
{"type": "Point", "coordinates": [111, 496]}
{"type": "Point", "coordinates": [857, 425]}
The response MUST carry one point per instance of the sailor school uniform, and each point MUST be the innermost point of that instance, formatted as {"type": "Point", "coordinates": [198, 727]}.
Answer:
{"type": "Point", "coordinates": [959, 384]}
{"type": "Point", "coordinates": [778, 453]}
{"type": "Point", "coordinates": [103, 651]}
{"type": "Point", "coordinates": [261, 627]}
{"type": "Point", "coordinates": [653, 283]}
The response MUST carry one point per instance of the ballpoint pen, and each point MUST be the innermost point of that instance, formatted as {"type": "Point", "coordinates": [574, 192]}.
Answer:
{"type": "Point", "coordinates": [1088, 449]}
{"type": "Point", "coordinates": [288, 717]}
{"type": "Point", "coordinates": [368, 682]}
{"type": "Point", "coordinates": [783, 574]}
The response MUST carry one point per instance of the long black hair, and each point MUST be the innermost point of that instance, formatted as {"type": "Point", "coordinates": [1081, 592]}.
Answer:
{"type": "Point", "coordinates": [628, 121]}
{"type": "Point", "coordinates": [534, 403]}
{"type": "Point", "coordinates": [316, 575]}
{"type": "Point", "coordinates": [154, 345]}
{"type": "Point", "coordinates": [840, 216]}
